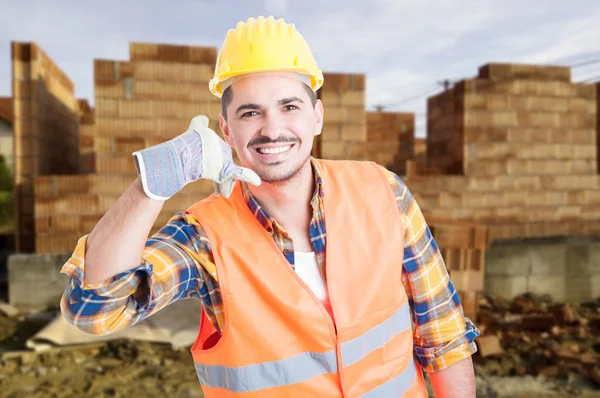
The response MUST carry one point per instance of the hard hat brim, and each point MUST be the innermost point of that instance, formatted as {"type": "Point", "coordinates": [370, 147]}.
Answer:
{"type": "Point", "coordinates": [215, 85]}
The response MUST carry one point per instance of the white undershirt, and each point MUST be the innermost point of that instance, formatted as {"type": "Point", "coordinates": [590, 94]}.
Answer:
{"type": "Point", "coordinates": [308, 270]}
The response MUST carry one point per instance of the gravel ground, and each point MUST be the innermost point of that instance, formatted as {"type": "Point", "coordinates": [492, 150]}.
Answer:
{"type": "Point", "coordinates": [140, 369]}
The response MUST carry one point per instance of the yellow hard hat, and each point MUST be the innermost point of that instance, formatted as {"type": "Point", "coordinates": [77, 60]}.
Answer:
{"type": "Point", "coordinates": [264, 45]}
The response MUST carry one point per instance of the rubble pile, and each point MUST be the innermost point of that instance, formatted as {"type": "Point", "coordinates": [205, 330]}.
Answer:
{"type": "Point", "coordinates": [529, 347]}
{"type": "Point", "coordinates": [121, 368]}
{"type": "Point", "coordinates": [531, 335]}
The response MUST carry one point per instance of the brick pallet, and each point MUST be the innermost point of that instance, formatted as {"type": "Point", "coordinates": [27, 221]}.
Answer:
{"type": "Point", "coordinates": [141, 102]}
{"type": "Point", "coordinates": [87, 156]}
{"type": "Point", "coordinates": [46, 130]}
{"type": "Point", "coordinates": [514, 148]}
{"type": "Point", "coordinates": [463, 247]}
{"type": "Point", "coordinates": [391, 139]}
{"type": "Point", "coordinates": [345, 126]}
{"type": "Point", "coordinates": [518, 151]}
{"type": "Point", "coordinates": [148, 100]}
{"type": "Point", "coordinates": [68, 207]}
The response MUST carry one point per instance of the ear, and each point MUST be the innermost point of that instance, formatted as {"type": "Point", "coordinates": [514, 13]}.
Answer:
{"type": "Point", "coordinates": [225, 129]}
{"type": "Point", "coordinates": [319, 113]}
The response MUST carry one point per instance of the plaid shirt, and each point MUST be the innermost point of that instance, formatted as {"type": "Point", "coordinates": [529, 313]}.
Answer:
{"type": "Point", "coordinates": [177, 263]}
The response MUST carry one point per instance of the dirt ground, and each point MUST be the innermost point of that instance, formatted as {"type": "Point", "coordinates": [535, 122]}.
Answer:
{"type": "Point", "coordinates": [141, 369]}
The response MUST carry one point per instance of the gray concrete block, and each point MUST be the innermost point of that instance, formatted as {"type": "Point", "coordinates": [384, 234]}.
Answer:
{"type": "Point", "coordinates": [578, 256]}
{"type": "Point", "coordinates": [35, 281]}
{"type": "Point", "coordinates": [506, 286]}
{"type": "Point", "coordinates": [508, 259]}
{"type": "Point", "coordinates": [553, 285]}
{"type": "Point", "coordinates": [594, 263]}
{"type": "Point", "coordinates": [566, 268]}
{"type": "Point", "coordinates": [595, 286]}
{"type": "Point", "coordinates": [578, 288]}
{"type": "Point", "coordinates": [548, 258]}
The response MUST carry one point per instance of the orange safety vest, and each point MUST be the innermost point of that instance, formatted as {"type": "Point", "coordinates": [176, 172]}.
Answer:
{"type": "Point", "coordinates": [278, 339]}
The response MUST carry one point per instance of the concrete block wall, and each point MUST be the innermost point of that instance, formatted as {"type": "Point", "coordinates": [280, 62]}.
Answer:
{"type": "Point", "coordinates": [566, 268]}
{"type": "Point", "coordinates": [391, 139]}
{"type": "Point", "coordinates": [29, 273]}
{"type": "Point", "coordinates": [46, 130]}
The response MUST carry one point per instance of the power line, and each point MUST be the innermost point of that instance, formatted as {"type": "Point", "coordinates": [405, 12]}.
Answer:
{"type": "Point", "coordinates": [585, 63]}
{"type": "Point", "coordinates": [592, 79]}
{"type": "Point", "coordinates": [406, 100]}
{"type": "Point", "coordinates": [566, 61]}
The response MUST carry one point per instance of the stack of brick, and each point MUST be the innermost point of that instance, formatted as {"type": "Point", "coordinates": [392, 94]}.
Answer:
{"type": "Point", "coordinates": [345, 123]}
{"type": "Point", "coordinates": [463, 247]}
{"type": "Point", "coordinates": [421, 151]}
{"type": "Point", "coordinates": [527, 153]}
{"type": "Point", "coordinates": [6, 136]}
{"type": "Point", "coordinates": [148, 100]}
{"type": "Point", "coordinates": [68, 207]}
{"type": "Point", "coordinates": [445, 140]}
{"type": "Point", "coordinates": [87, 158]}
{"type": "Point", "coordinates": [420, 147]}
{"type": "Point", "coordinates": [6, 109]}
{"type": "Point", "coordinates": [527, 120]}
{"type": "Point", "coordinates": [391, 139]}
{"type": "Point", "coordinates": [46, 130]}
{"type": "Point", "coordinates": [138, 103]}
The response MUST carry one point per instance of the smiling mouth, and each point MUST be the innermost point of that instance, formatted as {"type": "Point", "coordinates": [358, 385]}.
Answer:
{"type": "Point", "coordinates": [274, 151]}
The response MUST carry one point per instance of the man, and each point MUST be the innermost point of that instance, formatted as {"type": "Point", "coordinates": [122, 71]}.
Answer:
{"type": "Point", "coordinates": [297, 260]}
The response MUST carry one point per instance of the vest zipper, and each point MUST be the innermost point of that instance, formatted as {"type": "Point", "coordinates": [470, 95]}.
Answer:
{"type": "Point", "coordinates": [338, 346]}
{"type": "Point", "coordinates": [331, 323]}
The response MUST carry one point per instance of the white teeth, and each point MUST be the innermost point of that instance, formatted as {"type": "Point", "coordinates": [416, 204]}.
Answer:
{"type": "Point", "coordinates": [271, 151]}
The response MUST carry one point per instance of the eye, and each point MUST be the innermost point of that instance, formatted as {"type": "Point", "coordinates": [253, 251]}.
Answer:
{"type": "Point", "coordinates": [248, 114]}
{"type": "Point", "coordinates": [290, 107]}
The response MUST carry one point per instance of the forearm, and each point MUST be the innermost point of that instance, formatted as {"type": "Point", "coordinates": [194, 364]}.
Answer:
{"type": "Point", "coordinates": [117, 242]}
{"type": "Point", "coordinates": [455, 381]}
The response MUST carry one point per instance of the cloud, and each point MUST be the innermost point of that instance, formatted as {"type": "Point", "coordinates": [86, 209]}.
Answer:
{"type": "Point", "coordinates": [277, 8]}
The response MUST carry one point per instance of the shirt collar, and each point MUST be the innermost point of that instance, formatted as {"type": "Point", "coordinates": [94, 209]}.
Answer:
{"type": "Point", "coordinates": [261, 214]}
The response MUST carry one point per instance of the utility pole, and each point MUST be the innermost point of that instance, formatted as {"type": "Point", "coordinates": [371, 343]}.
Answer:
{"type": "Point", "coordinates": [445, 83]}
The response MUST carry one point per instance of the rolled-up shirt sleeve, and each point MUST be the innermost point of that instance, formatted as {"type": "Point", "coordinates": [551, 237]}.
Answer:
{"type": "Point", "coordinates": [442, 334]}
{"type": "Point", "coordinates": [168, 271]}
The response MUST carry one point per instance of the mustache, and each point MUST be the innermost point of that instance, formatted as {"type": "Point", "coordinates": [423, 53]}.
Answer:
{"type": "Point", "coordinates": [262, 140]}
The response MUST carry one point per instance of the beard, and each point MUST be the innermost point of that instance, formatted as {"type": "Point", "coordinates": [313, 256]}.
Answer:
{"type": "Point", "coordinates": [278, 173]}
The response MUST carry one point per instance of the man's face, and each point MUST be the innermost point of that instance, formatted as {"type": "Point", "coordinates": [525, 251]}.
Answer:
{"type": "Point", "coordinates": [271, 123]}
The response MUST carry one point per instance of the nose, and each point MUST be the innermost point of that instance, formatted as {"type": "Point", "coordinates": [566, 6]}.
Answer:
{"type": "Point", "coordinates": [272, 125]}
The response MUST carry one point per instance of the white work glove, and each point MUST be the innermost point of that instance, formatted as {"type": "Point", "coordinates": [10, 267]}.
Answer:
{"type": "Point", "coordinates": [198, 153]}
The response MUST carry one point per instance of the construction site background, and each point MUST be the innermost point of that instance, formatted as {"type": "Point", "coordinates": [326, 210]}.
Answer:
{"type": "Point", "coordinates": [507, 178]}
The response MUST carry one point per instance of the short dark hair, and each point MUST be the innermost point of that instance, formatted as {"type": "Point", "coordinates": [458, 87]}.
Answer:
{"type": "Point", "coordinates": [227, 97]}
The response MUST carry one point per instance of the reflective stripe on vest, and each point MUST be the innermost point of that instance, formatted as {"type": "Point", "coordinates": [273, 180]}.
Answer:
{"type": "Point", "coordinates": [303, 367]}
{"type": "Point", "coordinates": [396, 387]}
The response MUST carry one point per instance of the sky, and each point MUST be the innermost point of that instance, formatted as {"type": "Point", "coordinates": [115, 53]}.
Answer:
{"type": "Point", "coordinates": [405, 48]}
